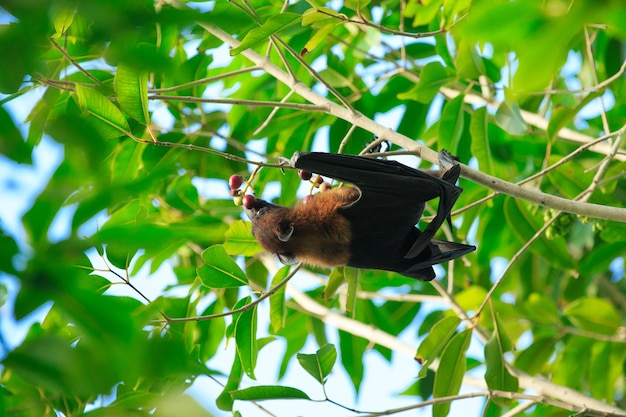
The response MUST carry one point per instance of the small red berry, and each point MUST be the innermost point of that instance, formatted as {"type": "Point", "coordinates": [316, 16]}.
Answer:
{"type": "Point", "coordinates": [249, 201]}
{"type": "Point", "coordinates": [319, 179]}
{"type": "Point", "coordinates": [304, 175]}
{"type": "Point", "coordinates": [235, 181]}
{"type": "Point", "coordinates": [234, 193]}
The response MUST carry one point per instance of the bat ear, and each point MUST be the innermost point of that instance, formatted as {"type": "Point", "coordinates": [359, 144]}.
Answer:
{"type": "Point", "coordinates": [285, 233]}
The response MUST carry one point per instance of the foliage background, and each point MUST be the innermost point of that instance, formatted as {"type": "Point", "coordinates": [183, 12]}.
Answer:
{"type": "Point", "coordinates": [151, 99]}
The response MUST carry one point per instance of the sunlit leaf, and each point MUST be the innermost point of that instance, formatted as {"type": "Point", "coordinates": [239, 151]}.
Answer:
{"type": "Point", "coordinates": [352, 278]}
{"type": "Point", "coordinates": [542, 309]}
{"type": "Point", "coordinates": [278, 310]}
{"type": "Point", "coordinates": [131, 87]}
{"type": "Point", "coordinates": [335, 279]}
{"type": "Point", "coordinates": [433, 77]}
{"type": "Point", "coordinates": [320, 364]}
{"type": "Point", "coordinates": [509, 118]}
{"type": "Point", "coordinates": [534, 358]}
{"type": "Point", "coordinates": [450, 371]}
{"type": "Point", "coordinates": [594, 314]}
{"type": "Point", "coordinates": [451, 124]}
{"type": "Point", "coordinates": [497, 375]}
{"type": "Point", "coordinates": [239, 239]}
{"type": "Point", "coordinates": [479, 131]}
{"type": "Point", "coordinates": [273, 25]}
{"type": "Point", "coordinates": [269, 392]}
{"type": "Point", "coordinates": [102, 113]}
{"type": "Point", "coordinates": [225, 401]}
{"type": "Point", "coordinates": [220, 270]}
{"type": "Point", "coordinates": [245, 337]}
{"type": "Point", "coordinates": [437, 339]}
{"type": "Point", "coordinates": [525, 224]}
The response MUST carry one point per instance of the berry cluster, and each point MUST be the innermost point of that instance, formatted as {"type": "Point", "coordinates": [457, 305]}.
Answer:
{"type": "Point", "coordinates": [316, 182]}
{"type": "Point", "coordinates": [248, 200]}
{"type": "Point", "coordinates": [240, 197]}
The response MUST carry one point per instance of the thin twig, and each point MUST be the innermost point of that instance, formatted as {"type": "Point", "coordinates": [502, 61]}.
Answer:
{"type": "Point", "coordinates": [74, 62]}
{"type": "Point", "coordinates": [383, 29]}
{"type": "Point", "coordinates": [191, 147]}
{"type": "Point", "coordinates": [501, 394]}
{"type": "Point", "coordinates": [206, 80]}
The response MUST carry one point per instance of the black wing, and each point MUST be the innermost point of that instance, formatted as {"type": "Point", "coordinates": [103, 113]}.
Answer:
{"type": "Point", "coordinates": [391, 188]}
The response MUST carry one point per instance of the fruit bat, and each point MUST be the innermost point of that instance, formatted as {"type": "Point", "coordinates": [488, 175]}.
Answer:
{"type": "Point", "coordinates": [371, 224]}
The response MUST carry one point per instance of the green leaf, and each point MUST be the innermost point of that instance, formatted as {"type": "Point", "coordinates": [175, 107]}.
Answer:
{"type": "Point", "coordinates": [274, 24]}
{"type": "Point", "coordinates": [497, 375]}
{"type": "Point", "coordinates": [533, 359]}
{"type": "Point", "coordinates": [352, 350]}
{"type": "Point", "coordinates": [600, 363]}
{"type": "Point", "coordinates": [433, 77]}
{"type": "Point", "coordinates": [450, 371]}
{"type": "Point", "coordinates": [278, 310]}
{"type": "Point", "coordinates": [479, 133]}
{"type": "Point", "coordinates": [62, 14]}
{"type": "Point", "coordinates": [174, 405]}
{"type": "Point", "coordinates": [423, 12]}
{"type": "Point", "coordinates": [525, 224]}
{"type": "Point", "coordinates": [12, 144]}
{"type": "Point", "coordinates": [269, 392]}
{"type": "Point", "coordinates": [220, 270]}
{"type": "Point", "coordinates": [453, 10]}
{"type": "Point", "coordinates": [225, 401]}
{"type": "Point", "coordinates": [451, 124]}
{"type": "Point", "coordinates": [471, 298]}
{"type": "Point", "coordinates": [320, 364]}
{"type": "Point", "coordinates": [356, 5]}
{"type": "Point", "coordinates": [245, 336]}
{"type": "Point", "coordinates": [469, 63]}
{"type": "Point", "coordinates": [437, 339]}
{"type": "Point", "coordinates": [131, 87]}
{"type": "Point", "coordinates": [558, 119]}
{"type": "Point", "coordinates": [320, 35]}
{"type": "Point", "coordinates": [335, 279]}
{"type": "Point", "coordinates": [239, 240]}
{"type": "Point", "coordinates": [352, 277]}
{"type": "Point", "coordinates": [319, 14]}
{"type": "Point", "coordinates": [509, 118]}
{"type": "Point", "coordinates": [541, 309]}
{"type": "Point", "coordinates": [594, 314]}
{"type": "Point", "coordinates": [108, 120]}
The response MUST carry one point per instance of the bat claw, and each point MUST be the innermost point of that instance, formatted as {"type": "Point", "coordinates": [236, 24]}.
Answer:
{"type": "Point", "coordinates": [289, 162]}
{"type": "Point", "coordinates": [446, 159]}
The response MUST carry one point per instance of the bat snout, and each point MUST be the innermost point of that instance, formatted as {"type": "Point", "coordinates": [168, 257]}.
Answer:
{"type": "Point", "coordinates": [258, 208]}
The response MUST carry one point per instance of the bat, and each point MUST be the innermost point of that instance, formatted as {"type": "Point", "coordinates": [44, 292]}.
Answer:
{"type": "Point", "coordinates": [371, 224]}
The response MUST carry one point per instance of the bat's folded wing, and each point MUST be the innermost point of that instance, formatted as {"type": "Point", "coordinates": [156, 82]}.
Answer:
{"type": "Point", "coordinates": [442, 251]}
{"type": "Point", "coordinates": [388, 184]}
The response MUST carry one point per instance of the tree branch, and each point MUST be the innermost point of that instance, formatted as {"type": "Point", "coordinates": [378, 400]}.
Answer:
{"type": "Point", "coordinates": [358, 119]}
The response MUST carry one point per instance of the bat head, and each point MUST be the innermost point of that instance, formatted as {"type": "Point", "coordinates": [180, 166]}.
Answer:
{"type": "Point", "coordinates": [273, 229]}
